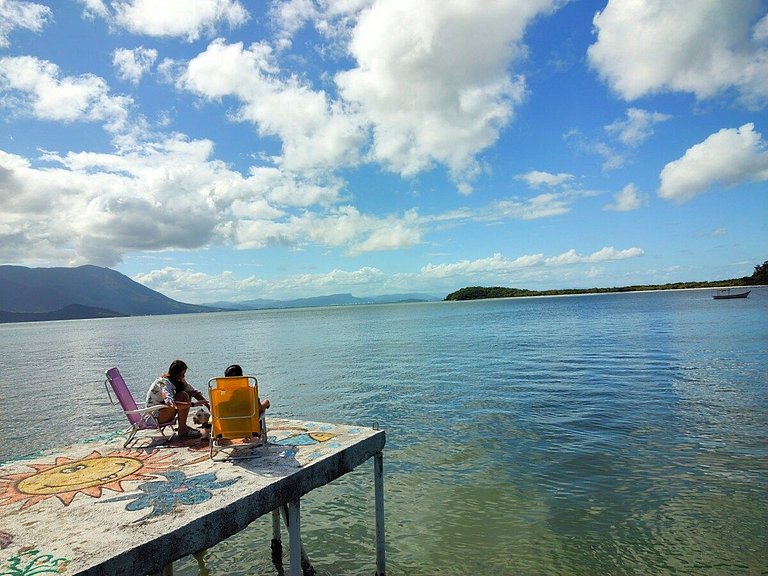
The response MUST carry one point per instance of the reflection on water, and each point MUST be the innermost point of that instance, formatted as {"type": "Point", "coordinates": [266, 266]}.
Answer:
{"type": "Point", "coordinates": [613, 434]}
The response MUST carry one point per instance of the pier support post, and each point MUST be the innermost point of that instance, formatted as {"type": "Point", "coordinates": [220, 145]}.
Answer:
{"type": "Point", "coordinates": [201, 566]}
{"type": "Point", "coordinates": [306, 566]}
{"type": "Point", "coordinates": [378, 485]}
{"type": "Point", "coordinates": [277, 544]}
{"type": "Point", "coordinates": [294, 535]}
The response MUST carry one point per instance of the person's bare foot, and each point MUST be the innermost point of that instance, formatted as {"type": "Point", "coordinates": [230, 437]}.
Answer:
{"type": "Point", "coordinates": [189, 433]}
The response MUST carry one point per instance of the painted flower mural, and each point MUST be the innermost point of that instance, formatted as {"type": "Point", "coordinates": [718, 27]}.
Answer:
{"type": "Point", "coordinates": [163, 495]}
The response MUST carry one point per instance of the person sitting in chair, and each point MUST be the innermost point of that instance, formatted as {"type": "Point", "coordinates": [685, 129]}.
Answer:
{"type": "Point", "coordinates": [173, 391]}
{"type": "Point", "coordinates": [236, 370]}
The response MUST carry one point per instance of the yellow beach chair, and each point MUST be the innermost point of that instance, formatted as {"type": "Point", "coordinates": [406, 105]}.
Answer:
{"type": "Point", "coordinates": [235, 414]}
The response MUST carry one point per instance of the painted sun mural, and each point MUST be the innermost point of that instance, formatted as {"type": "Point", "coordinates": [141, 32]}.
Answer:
{"type": "Point", "coordinates": [68, 477]}
{"type": "Point", "coordinates": [306, 439]}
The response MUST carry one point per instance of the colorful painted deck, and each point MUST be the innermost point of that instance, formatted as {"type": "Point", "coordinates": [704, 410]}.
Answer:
{"type": "Point", "coordinates": [98, 508]}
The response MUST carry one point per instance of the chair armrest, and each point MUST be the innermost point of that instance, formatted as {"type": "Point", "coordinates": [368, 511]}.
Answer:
{"type": "Point", "coordinates": [147, 410]}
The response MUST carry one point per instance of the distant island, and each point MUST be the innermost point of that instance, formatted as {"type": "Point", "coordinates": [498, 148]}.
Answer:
{"type": "Point", "coordinates": [759, 277]}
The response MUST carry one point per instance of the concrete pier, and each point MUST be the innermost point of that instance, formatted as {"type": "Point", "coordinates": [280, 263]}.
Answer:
{"type": "Point", "coordinates": [100, 509]}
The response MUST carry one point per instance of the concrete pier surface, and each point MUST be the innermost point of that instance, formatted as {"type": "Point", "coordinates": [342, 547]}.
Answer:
{"type": "Point", "coordinates": [99, 508]}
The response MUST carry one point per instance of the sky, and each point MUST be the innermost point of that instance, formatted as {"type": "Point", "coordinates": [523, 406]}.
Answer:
{"type": "Point", "coordinates": [231, 150]}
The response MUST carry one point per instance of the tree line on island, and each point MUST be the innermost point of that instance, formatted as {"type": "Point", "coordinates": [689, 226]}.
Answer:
{"type": "Point", "coordinates": [759, 277]}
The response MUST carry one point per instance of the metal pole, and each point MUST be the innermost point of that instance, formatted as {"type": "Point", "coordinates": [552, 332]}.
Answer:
{"type": "Point", "coordinates": [200, 557]}
{"type": "Point", "coordinates": [306, 566]}
{"type": "Point", "coordinates": [378, 484]}
{"type": "Point", "coordinates": [277, 545]}
{"type": "Point", "coordinates": [294, 535]}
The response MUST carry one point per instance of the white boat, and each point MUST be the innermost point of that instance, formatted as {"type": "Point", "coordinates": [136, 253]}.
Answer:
{"type": "Point", "coordinates": [727, 294]}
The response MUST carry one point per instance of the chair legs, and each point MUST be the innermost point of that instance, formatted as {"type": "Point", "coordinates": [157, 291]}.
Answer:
{"type": "Point", "coordinates": [263, 422]}
{"type": "Point", "coordinates": [131, 434]}
{"type": "Point", "coordinates": [135, 428]}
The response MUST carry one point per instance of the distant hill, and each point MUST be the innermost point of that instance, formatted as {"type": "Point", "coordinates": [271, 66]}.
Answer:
{"type": "Point", "coordinates": [330, 300]}
{"type": "Point", "coordinates": [71, 312]}
{"type": "Point", "coordinates": [84, 292]}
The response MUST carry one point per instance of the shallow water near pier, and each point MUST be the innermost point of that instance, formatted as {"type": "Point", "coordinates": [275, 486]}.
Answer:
{"type": "Point", "coordinates": [603, 434]}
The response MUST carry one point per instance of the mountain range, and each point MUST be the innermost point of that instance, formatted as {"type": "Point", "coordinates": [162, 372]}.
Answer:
{"type": "Point", "coordinates": [35, 294]}
{"type": "Point", "coordinates": [28, 294]}
{"type": "Point", "coordinates": [345, 299]}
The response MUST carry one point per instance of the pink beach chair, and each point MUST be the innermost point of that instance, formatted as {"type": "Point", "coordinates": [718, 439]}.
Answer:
{"type": "Point", "coordinates": [139, 418]}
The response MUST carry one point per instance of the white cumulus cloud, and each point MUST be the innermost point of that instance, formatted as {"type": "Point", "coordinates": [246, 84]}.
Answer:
{"type": "Point", "coordinates": [316, 132]}
{"type": "Point", "coordinates": [178, 283]}
{"type": "Point", "coordinates": [431, 83]}
{"type": "Point", "coordinates": [97, 207]}
{"type": "Point", "coordinates": [637, 127]}
{"type": "Point", "coordinates": [728, 157]}
{"type": "Point", "coordinates": [541, 206]}
{"type": "Point", "coordinates": [189, 19]}
{"type": "Point", "coordinates": [189, 285]}
{"type": "Point", "coordinates": [627, 200]}
{"type": "Point", "coordinates": [537, 178]}
{"type": "Point", "coordinates": [38, 88]}
{"type": "Point", "coordinates": [339, 226]}
{"type": "Point", "coordinates": [15, 14]}
{"type": "Point", "coordinates": [131, 65]}
{"type": "Point", "coordinates": [432, 78]}
{"type": "Point", "coordinates": [698, 46]}
{"type": "Point", "coordinates": [501, 265]}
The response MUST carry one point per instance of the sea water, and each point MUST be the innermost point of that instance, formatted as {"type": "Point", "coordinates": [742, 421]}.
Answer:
{"type": "Point", "coordinates": [602, 434]}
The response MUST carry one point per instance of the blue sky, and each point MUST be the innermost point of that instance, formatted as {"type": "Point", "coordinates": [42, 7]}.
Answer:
{"type": "Point", "coordinates": [226, 150]}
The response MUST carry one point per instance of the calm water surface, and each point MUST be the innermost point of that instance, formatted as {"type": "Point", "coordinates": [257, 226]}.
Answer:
{"type": "Point", "coordinates": [610, 434]}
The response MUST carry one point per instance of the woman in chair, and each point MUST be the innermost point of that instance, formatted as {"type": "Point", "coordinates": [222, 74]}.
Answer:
{"type": "Point", "coordinates": [236, 370]}
{"type": "Point", "coordinates": [172, 390]}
